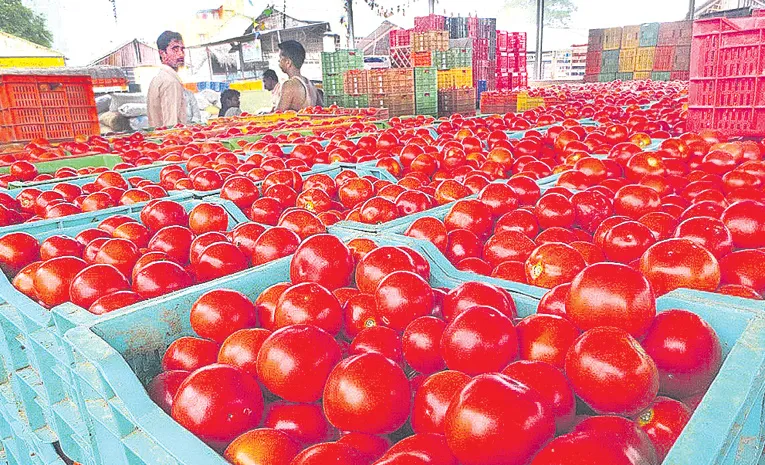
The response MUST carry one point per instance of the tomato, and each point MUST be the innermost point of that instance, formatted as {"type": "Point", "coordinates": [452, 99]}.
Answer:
{"type": "Point", "coordinates": [433, 398]}
{"type": "Point", "coordinates": [219, 313]}
{"type": "Point", "coordinates": [113, 301]}
{"type": "Point", "coordinates": [611, 294]}
{"type": "Point", "coordinates": [554, 210]}
{"type": "Point", "coordinates": [411, 202]}
{"type": "Point", "coordinates": [355, 402]}
{"type": "Point", "coordinates": [159, 278]}
{"type": "Point", "coordinates": [304, 423]}
{"type": "Point", "coordinates": [262, 446]}
{"type": "Point", "coordinates": [471, 215]}
{"type": "Point", "coordinates": [661, 224]}
{"type": "Point", "coordinates": [274, 243]}
{"type": "Point", "coordinates": [162, 213]}
{"type": "Point", "coordinates": [23, 171]}
{"type": "Point", "coordinates": [378, 339]}
{"type": "Point", "coordinates": [500, 198]}
{"type": "Point", "coordinates": [545, 338]}
{"type": "Point", "coordinates": [636, 201]}
{"type": "Point", "coordinates": [136, 233]}
{"type": "Point", "coordinates": [359, 312]}
{"type": "Point", "coordinates": [506, 246]}
{"type": "Point", "coordinates": [323, 259]}
{"type": "Point", "coordinates": [378, 264]}
{"type": "Point", "coordinates": [552, 264]}
{"type": "Point", "coordinates": [24, 281]}
{"type": "Point", "coordinates": [738, 290]}
{"type": "Point", "coordinates": [331, 452]}
{"type": "Point", "coordinates": [551, 384]}
{"type": "Point", "coordinates": [241, 349]}
{"type": "Point", "coordinates": [302, 222]}
{"type": "Point", "coordinates": [677, 263]}
{"type": "Point", "coordinates": [611, 372]}
{"type": "Point", "coordinates": [746, 268]}
{"type": "Point", "coordinates": [96, 281]}
{"type": "Point", "coordinates": [554, 300]}
{"type": "Point", "coordinates": [627, 241]}
{"type": "Point", "coordinates": [355, 191]}
{"type": "Point", "coordinates": [17, 250]}
{"type": "Point", "coordinates": [314, 200]}
{"type": "Point", "coordinates": [207, 217]}
{"type": "Point", "coordinates": [709, 233]}
{"type": "Point", "coordinates": [526, 189]}
{"type": "Point", "coordinates": [462, 244]}
{"type": "Point", "coordinates": [429, 448]}
{"type": "Point", "coordinates": [200, 243]}
{"type": "Point", "coordinates": [663, 422]}
{"type": "Point", "coordinates": [491, 407]}
{"type": "Point", "coordinates": [218, 403]}
{"type": "Point", "coordinates": [479, 340]}
{"type": "Point", "coordinates": [218, 260]}
{"type": "Point", "coordinates": [686, 350]}
{"type": "Point", "coordinates": [371, 446]}
{"type": "Point", "coordinates": [746, 223]}
{"type": "Point", "coordinates": [240, 190]}
{"type": "Point", "coordinates": [309, 303]}
{"type": "Point", "coordinates": [54, 277]}
{"type": "Point", "coordinates": [164, 386]}
{"type": "Point", "coordinates": [401, 297]}
{"type": "Point", "coordinates": [175, 241]}
{"type": "Point", "coordinates": [59, 246]}
{"type": "Point", "coordinates": [265, 305]}
{"type": "Point", "coordinates": [519, 220]}
{"type": "Point", "coordinates": [474, 294]}
{"type": "Point", "coordinates": [110, 224]}
{"type": "Point", "coordinates": [596, 446]}
{"type": "Point", "coordinates": [429, 229]}
{"type": "Point", "coordinates": [590, 209]}
{"type": "Point", "coordinates": [190, 354]}
{"type": "Point", "coordinates": [266, 210]}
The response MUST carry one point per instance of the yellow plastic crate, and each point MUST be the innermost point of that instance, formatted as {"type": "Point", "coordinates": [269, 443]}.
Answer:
{"type": "Point", "coordinates": [642, 75]}
{"type": "Point", "coordinates": [244, 86]}
{"type": "Point", "coordinates": [627, 60]}
{"type": "Point", "coordinates": [612, 38]}
{"type": "Point", "coordinates": [630, 37]}
{"type": "Point", "coordinates": [455, 78]}
{"type": "Point", "coordinates": [525, 103]}
{"type": "Point", "coordinates": [644, 58]}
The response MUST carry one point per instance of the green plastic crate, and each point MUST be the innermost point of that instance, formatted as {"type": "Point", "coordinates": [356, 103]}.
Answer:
{"type": "Point", "coordinates": [660, 75]}
{"type": "Point", "coordinates": [606, 77]}
{"type": "Point", "coordinates": [440, 60]}
{"type": "Point", "coordinates": [341, 61]}
{"type": "Point", "coordinates": [339, 100]}
{"type": "Point", "coordinates": [426, 81]}
{"type": "Point", "coordinates": [625, 76]}
{"type": "Point", "coordinates": [333, 84]}
{"type": "Point", "coordinates": [609, 61]}
{"type": "Point", "coordinates": [460, 58]}
{"type": "Point", "coordinates": [649, 34]}
{"type": "Point", "coordinates": [359, 101]}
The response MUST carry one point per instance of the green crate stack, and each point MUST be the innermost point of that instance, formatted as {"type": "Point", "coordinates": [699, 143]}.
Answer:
{"type": "Point", "coordinates": [606, 77]}
{"type": "Point", "coordinates": [426, 103]}
{"type": "Point", "coordinates": [339, 100]}
{"type": "Point", "coordinates": [333, 66]}
{"type": "Point", "coordinates": [357, 101]}
{"type": "Point", "coordinates": [426, 91]}
{"type": "Point", "coordinates": [333, 84]}
{"type": "Point", "coordinates": [460, 58]}
{"type": "Point", "coordinates": [660, 75]}
{"type": "Point", "coordinates": [625, 76]}
{"type": "Point", "coordinates": [609, 62]}
{"type": "Point", "coordinates": [440, 60]}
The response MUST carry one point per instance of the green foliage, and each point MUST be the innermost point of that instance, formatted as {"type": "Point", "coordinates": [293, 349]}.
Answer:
{"type": "Point", "coordinates": [557, 12]}
{"type": "Point", "coordinates": [18, 20]}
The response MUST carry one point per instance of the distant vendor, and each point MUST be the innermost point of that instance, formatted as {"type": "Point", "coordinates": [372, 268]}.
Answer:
{"type": "Point", "coordinates": [229, 103]}
{"type": "Point", "coordinates": [166, 99]}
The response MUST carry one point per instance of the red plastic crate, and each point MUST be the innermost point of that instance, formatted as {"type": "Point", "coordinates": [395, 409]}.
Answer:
{"type": "Point", "coordinates": [480, 49]}
{"type": "Point", "coordinates": [592, 65]}
{"type": "Point", "coordinates": [400, 38]}
{"type": "Point", "coordinates": [401, 57]}
{"type": "Point", "coordinates": [681, 61]}
{"type": "Point", "coordinates": [663, 57]}
{"type": "Point", "coordinates": [679, 76]}
{"type": "Point", "coordinates": [675, 33]}
{"type": "Point", "coordinates": [422, 59]}
{"type": "Point", "coordinates": [430, 23]}
{"type": "Point", "coordinates": [46, 106]}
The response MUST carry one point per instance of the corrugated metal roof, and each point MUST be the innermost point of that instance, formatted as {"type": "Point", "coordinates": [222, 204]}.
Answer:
{"type": "Point", "coordinates": [129, 55]}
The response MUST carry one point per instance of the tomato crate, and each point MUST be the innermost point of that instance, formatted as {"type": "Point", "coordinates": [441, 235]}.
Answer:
{"type": "Point", "coordinates": [642, 75]}
{"type": "Point", "coordinates": [480, 49]}
{"type": "Point", "coordinates": [456, 101]}
{"type": "Point", "coordinates": [663, 58]}
{"type": "Point", "coordinates": [333, 84]}
{"type": "Point", "coordinates": [429, 23]}
{"type": "Point", "coordinates": [606, 77]}
{"type": "Point", "coordinates": [511, 62]}
{"type": "Point", "coordinates": [460, 58]}
{"type": "Point", "coordinates": [627, 58]}
{"type": "Point", "coordinates": [425, 80]}
{"type": "Point", "coordinates": [630, 37]}
{"type": "Point", "coordinates": [595, 40]}
{"type": "Point", "coordinates": [355, 82]}
{"type": "Point", "coordinates": [679, 76]}
{"type": "Point", "coordinates": [457, 27]}
{"type": "Point", "coordinates": [644, 59]}
{"type": "Point", "coordinates": [46, 106]}
{"type": "Point", "coordinates": [400, 38]}
{"type": "Point", "coordinates": [430, 41]}
{"type": "Point", "coordinates": [341, 60]}
{"type": "Point", "coordinates": [681, 61]}
{"type": "Point", "coordinates": [401, 57]}
{"type": "Point", "coordinates": [649, 34]}
{"type": "Point", "coordinates": [675, 33]}
{"type": "Point", "coordinates": [593, 62]}
{"type": "Point", "coordinates": [455, 78]}
{"type": "Point", "coordinates": [440, 60]}
{"type": "Point", "coordinates": [422, 59]}
{"type": "Point", "coordinates": [511, 41]}
{"type": "Point", "coordinates": [660, 75]}
{"type": "Point", "coordinates": [590, 78]}
{"type": "Point", "coordinates": [18, 445]}
{"type": "Point", "coordinates": [624, 76]}
{"type": "Point", "coordinates": [612, 38]}
{"type": "Point", "coordinates": [397, 104]}
{"type": "Point", "coordinates": [512, 81]}
{"type": "Point", "coordinates": [609, 61]}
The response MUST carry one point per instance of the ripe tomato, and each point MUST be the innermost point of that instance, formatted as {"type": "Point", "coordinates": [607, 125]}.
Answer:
{"type": "Point", "coordinates": [309, 303]}
{"type": "Point", "coordinates": [371, 446]}
{"type": "Point", "coordinates": [241, 349]}
{"type": "Point", "coordinates": [164, 386]}
{"type": "Point", "coordinates": [514, 411]}
{"type": "Point", "coordinates": [545, 338]}
{"type": "Point", "coordinates": [429, 229]}
{"type": "Point", "coordinates": [331, 452]}
{"type": "Point", "coordinates": [551, 384]}
{"type": "Point", "coordinates": [162, 213]}
{"type": "Point", "coordinates": [663, 422]}
{"type": "Point", "coordinates": [17, 250]}
{"type": "Point", "coordinates": [24, 281]}
{"type": "Point", "coordinates": [230, 401]}
{"type": "Point", "coordinates": [240, 190]}
{"type": "Point", "coordinates": [746, 223]}
{"type": "Point", "coordinates": [262, 446]}
{"type": "Point", "coordinates": [135, 232]}
{"type": "Point", "coordinates": [266, 210]}
{"type": "Point", "coordinates": [159, 278]}
{"type": "Point", "coordinates": [245, 236]}
{"type": "Point", "coordinates": [323, 259]}
{"type": "Point", "coordinates": [302, 222]}
{"type": "Point", "coordinates": [378, 264]}
{"type": "Point", "coordinates": [611, 294]}
{"type": "Point", "coordinates": [554, 301]}
{"type": "Point", "coordinates": [598, 446]}
{"type": "Point", "coordinates": [265, 305]}
{"type": "Point", "coordinates": [207, 217]}
{"type": "Point", "coordinates": [218, 314]}
{"type": "Point", "coordinates": [113, 301]}
{"type": "Point", "coordinates": [627, 241]}
{"type": "Point", "coordinates": [429, 448]}
{"type": "Point", "coordinates": [175, 241]}
{"type": "Point", "coordinates": [552, 264]}
{"type": "Point", "coordinates": [661, 224]}
{"type": "Point", "coordinates": [401, 297]}
{"type": "Point", "coordinates": [96, 281]}
{"type": "Point", "coordinates": [304, 423]}
{"type": "Point", "coordinates": [636, 201]}
{"type": "Point", "coordinates": [432, 400]}
{"type": "Point", "coordinates": [507, 245]}
{"type": "Point", "coordinates": [611, 372]}
{"type": "Point", "coordinates": [473, 294]}
{"type": "Point", "coordinates": [471, 215]}
{"type": "Point", "coordinates": [745, 268]}
{"type": "Point", "coordinates": [273, 244]}
{"type": "Point", "coordinates": [355, 191]}
{"type": "Point", "coordinates": [519, 220]}
{"type": "Point", "coordinates": [554, 210]}
{"type": "Point", "coordinates": [677, 263]}
{"type": "Point", "coordinates": [378, 339]}
{"type": "Point", "coordinates": [479, 340]}
{"type": "Point", "coordinates": [462, 244]}
{"type": "Point", "coordinates": [189, 354]}
{"type": "Point", "coordinates": [120, 253]}
{"type": "Point", "coordinates": [59, 246]}
{"type": "Point", "coordinates": [218, 260]}
{"type": "Point", "coordinates": [54, 277]}
{"type": "Point", "coordinates": [590, 209]}
{"type": "Point", "coordinates": [500, 198]}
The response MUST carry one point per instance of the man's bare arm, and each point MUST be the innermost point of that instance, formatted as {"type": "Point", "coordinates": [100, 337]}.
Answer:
{"type": "Point", "coordinates": [290, 91]}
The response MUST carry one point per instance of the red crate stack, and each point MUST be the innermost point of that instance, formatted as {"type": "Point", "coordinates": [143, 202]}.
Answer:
{"type": "Point", "coordinates": [725, 90]}
{"type": "Point", "coordinates": [401, 38]}
{"type": "Point", "coordinates": [592, 65]}
{"type": "Point", "coordinates": [430, 23]}
{"type": "Point", "coordinates": [663, 58]}
{"type": "Point", "coordinates": [511, 60]}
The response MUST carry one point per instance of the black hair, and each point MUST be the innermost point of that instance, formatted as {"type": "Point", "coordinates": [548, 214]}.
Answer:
{"type": "Point", "coordinates": [294, 51]}
{"type": "Point", "coordinates": [165, 38]}
{"type": "Point", "coordinates": [224, 97]}
{"type": "Point", "coordinates": [270, 74]}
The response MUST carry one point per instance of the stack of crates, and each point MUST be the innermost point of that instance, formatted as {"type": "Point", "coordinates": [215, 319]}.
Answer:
{"type": "Point", "coordinates": [334, 66]}
{"type": "Point", "coordinates": [356, 86]}
{"type": "Point", "coordinates": [511, 60]}
{"type": "Point", "coordinates": [456, 101]}
{"type": "Point", "coordinates": [430, 23]}
{"type": "Point", "coordinates": [455, 78]}
{"type": "Point", "coordinates": [401, 48]}
{"type": "Point", "coordinates": [457, 27]}
{"type": "Point", "coordinates": [499, 102]}
{"type": "Point", "coordinates": [392, 89]}
{"type": "Point", "coordinates": [483, 32]}
{"type": "Point", "coordinates": [658, 51]}
{"type": "Point", "coordinates": [426, 91]}
{"type": "Point", "coordinates": [459, 57]}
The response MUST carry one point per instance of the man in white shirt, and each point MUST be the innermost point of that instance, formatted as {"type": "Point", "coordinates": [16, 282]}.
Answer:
{"type": "Point", "coordinates": [166, 100]}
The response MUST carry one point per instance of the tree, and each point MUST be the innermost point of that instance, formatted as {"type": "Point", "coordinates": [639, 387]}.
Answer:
{"type": "Point", "coordinates": [18, 20]}
{"type": "Point", "coordinates": [557, 12]}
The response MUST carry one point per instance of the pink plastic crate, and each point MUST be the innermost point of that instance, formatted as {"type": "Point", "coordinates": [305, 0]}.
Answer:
{"type": "Point", "coordinates": [430, 23]}
{"type": "Point", "coordinates": [401, 38]}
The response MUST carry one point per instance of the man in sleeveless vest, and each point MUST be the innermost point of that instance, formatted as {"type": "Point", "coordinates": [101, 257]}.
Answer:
{"type": "Point", "coordinates": [297, 92]}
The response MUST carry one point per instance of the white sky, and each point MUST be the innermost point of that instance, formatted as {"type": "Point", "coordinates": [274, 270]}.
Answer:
{"type": "Point", "coordinates": [85, 29]}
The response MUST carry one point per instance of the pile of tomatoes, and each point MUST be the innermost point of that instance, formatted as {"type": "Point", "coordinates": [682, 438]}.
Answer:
{"type": "Point", "coordinates": [357, 360]}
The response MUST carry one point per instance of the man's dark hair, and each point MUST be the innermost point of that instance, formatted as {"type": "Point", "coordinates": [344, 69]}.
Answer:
{"type": "Point", "coordinates": [270, 74]}
{"type": "Point", "coordinates": [229, 93]}
{"type": "Point", "coordinates": [294, 51]}
{"type": "Point", "coordinates": [166, 37]}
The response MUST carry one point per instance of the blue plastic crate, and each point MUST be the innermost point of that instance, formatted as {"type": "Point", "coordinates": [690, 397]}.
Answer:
{"type": "Point", "coordinates": [116, 357]}
{"type": "Point", "coordinates": [33, 351]}
{"type": "Point", "coordinates": [19, 445]}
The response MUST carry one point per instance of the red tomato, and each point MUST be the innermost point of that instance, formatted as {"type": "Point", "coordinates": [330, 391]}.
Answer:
{"type": "Point", "coordinates": [164, 386]}
{"type": "Point", "coordinates": [120, 253]}
{"type": "Point", "coordinates": [429, 229]}
{"type": "Point", "coordinates": [746, 222]}
{"type": "Point", "coordinates": [471, 215]}
{"type": "Point", "coordinates": [200, 243]}
{"type": "Point", "coordinates": [17, 250]}
{"type": "Point", "coordinates": [175, 241]}
{"type": "Point", "coordinates": [594, 447]}
{"type": "Point", "coordinates": [745, 268]}
{"type": "Point", "coordinates": [551, 384]}
{"type": "Point", "coordinates": [475, 294]}
{"type": "Point", "coordinates": [218, 260]}
{"type": "Point", "coordinates": [159, 278]}
{"type": "Point", "coordinates": [378, 264]}
{"type": "Point", "coordinates": [611, 373]}
{"type": "Point", "coordinates": [189, 354]}
{"type": "Point", "coordinates": [371, 446]}
{"type": "Point", "coordinates": [240, 190]}
{"type": "Point", "coordinates": [500, 198]}
{"type": "Point", "coordinates": [207, 217]}
{"type": "Point", "coordinates": [507, 245]}
{"type": "Point", "coordinates": [230, 401]}
{"type": "Point", "coordinates": [661, 224]}
{"type": "Point", "coordinates": [331, 452]}
{"type": "Point", "coordinates": [627, 241]}
{"type": "Point", "coordinates": [512, 409]}
{"type": "Point", "coordinates": [677, 263]}
{"type": "Point", "coordinates": [162, 213]}
{"type": "Point", "coordinates": [709, 233]}
{"type": "Point", "coordinates": [554, 301]}
{"type": "Point", "coordinates": [590, 208]}
{"type": "Point", "coordinates": [401, 297]}
{"type": "Point", "coordinates": [273, 244]}
{"type": "Point", "coordinates": [545, 338]}
{"type": "Point", "coordinates": [462, 244]}
{"type": "Point", "coordinates": [519, 220]}
{"type": "Point", "coordinates": [294, 362]}
{"type": "Point", "coordinates": [24, 280]}
{"type": "Point", "coordinates": [430, 448]}
{"type": "Point", "coordinates": [378, 339]}
{"type": "Point", "coordinates": [59, 246]}
{"type": "Point", "coordinates": [241, 349]}
{"type": "Point", "coordinates": [96, 281]}
{"type": "Point", "coordinates": [686, 350]}
{"type": "Point", "coordinates": [113, 301]}
{"type": "Point", "coordinates": [663, 422]}
{"type": "Point", "coordinates": [218, 314]}
{"type": "Point", "coordinates": [479, 340]}
{"type": "Point", "coordinates": [552, 264]}
{"type": "Point", "coordinates": [432, 400]}
{"type": "Point", "coordinates": [323, 259]}
{"type": "Point", "coordinates": [304, 423]}
{"type": "Point", "coordinates": [302, 222]}
{"type": "Point", "coordinates": [309, 303]}
{"type": "Point", "coordinates": [622, 432]}
{"type": "Point", "coordinates": [245, 236]}
{"type": "Point", "coordinates": [136, 233]}
{"type": "Point", "coordinates": [636, 201]}
{"type": "Point", "coordinates": [54, 277]}
{"type": "Point", "coordinates": [554, 210]}
{"type": "Point", "coordinates": [266, 210]}
{"type": "Point", "coordinates": [611, 294]}
{"type": "Point", "coordinates": [355, 191]}
{"type": "Point", "coordinates": [262, 446]}
{"type": "Point", "coordinates": [265, 305]}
